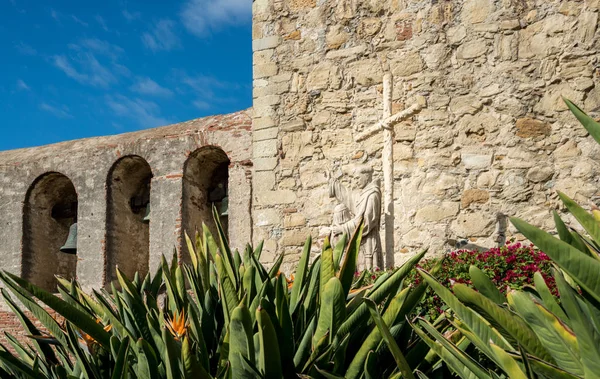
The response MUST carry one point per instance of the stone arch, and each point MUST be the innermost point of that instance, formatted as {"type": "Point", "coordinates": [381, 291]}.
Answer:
{"type": "Point", "coordinates": [127, 234]}
{"type": "Point", "coordinates": [49, 210]}
{"type": "Point", "coordinates": [205, 181]}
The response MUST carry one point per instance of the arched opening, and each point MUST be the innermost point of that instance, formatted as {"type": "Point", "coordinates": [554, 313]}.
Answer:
{"type": "Point", "coordinates": [128, 218]}
{"type": "Point", "coordinates": [49, 212]}
{"type": "Point", "coordinates": [205, 182]}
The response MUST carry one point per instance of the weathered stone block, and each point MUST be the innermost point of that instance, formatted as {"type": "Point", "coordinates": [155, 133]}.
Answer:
{"type": "Point", "coordinates": [474, 196]}
{"type": "Point", "coordinates": [265, 70]}
{"type": "Point", "coordinates": [532, 128]}
{"type": "Point", "coordinates": [410, 63]}
{"type": "Point", "coordinates": [405, 132]}
{"type": "Point", "coordinates": [540, 174]}
{"type": "Point", "coordinates": [264, 164]}
{"type": "Point", "coordinates": [476, 161]}
{"type": "Point", "coordinates": [264, 134]}
{"type": "Point", "coordinates": [436, 212]}
{"type": "Point", "coordinates": [476, 11]}
{"type": "Point", "coordinates": [473, 225]}
{"type": "Point", "coordinates": [267, 148]}
{"type": "Point", "coordinates": [568, 150]}
{"type": "Point", "coordinates": [294, 220]}
{"type": "Point", "coordinates": [336, 37]}
{"type": "Point", "coordinates": [472, 49]}
{"type": "Point", "coordinates": [265, 43]}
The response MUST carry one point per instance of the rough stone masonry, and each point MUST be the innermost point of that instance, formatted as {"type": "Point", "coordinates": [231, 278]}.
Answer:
{"type": "Point", "coordinates": [494, 136]}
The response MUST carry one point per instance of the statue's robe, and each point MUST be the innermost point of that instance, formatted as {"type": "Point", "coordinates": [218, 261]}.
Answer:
{"type": "Point", "coordinates": [365, 205]}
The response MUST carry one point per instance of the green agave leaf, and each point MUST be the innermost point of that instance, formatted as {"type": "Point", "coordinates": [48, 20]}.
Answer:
{"type": "Point", "coordinates": [25, 355]}
{"type": "Point", "coordinates": [170, 355]}
{"type": "Point", "coordinates": [249, 284]}
{"type": "Point", "coordinates": [338, 250]}
{"type": "Point", "coordinates": [508, 364]}
{"type": "Point", "coordinates": [121, 366]}
{"type": "Point", "coordinates": [586, 220]}
{"type": "Point", "coordinates": [328, 375]}
{"type": "Point", "coordinates": [379, 292]}
{"type": "Point", "coordinates": [300, 276]}
{"type": "Point", "coordinates": [390, 316]}
{"type": "Point", "coordinates": [461, 363]}
{"type": "Point", "coordinates": [44, 351]}
{"type": "Point", "coordinates": [484, 285]}
{"type": "Point", "coordinates": [332, 311]}
{"type": "Point", "coordinates": [481, 329]}
{"type": "Point", "coordinates": [327, 266]}
{"type": "Point", "coordinates": [15, 365]}
{"type": "Point", "coordinates": [370, 368]}
{"type": "Point", "coordinates": [588, 123]}
{"type": "Point", "coordinates": [582, 268]}
{"type": "Point", "coordinates": [225, 250]}
{"type": "Point", "coordinates": [192, 369]}
{"type": "Point", "coordinates": [547, 297]}
{"type": "Point", "coordinates": [241, 343]}
{"type": "Point", "coordinates": [303, 350]}
{"type": "Point", "coordinates": [588, 338]}
{"type": "Point", "coordinates": [349, 266]}
{"type": "Point", "coordinates": [558, 340]}
{"type": "Point", "coordinates": [269, 361]}
{"type": "Point", "coordinates": [147, 364]}
{"type": "Point", "coordinates": [509, 322]}
{"type": "Point", "coordinates": [389, 340]}
{"type": "Point", "coordinates": [562, 229]}
{"type": "Point", "coordinates": [22, 289]}
{"type": "Point", "coordinates": [549, 371]}
{"type": "Point", "coordinates": [276, 266]}
{"type": "Point", "coordinates": [88, 370]}
{"type": "Point", "coordinates": [191, 251]}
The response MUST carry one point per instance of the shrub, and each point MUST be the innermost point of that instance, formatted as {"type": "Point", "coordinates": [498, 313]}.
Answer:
{"type": "Point", "coordinates": [509, 267]}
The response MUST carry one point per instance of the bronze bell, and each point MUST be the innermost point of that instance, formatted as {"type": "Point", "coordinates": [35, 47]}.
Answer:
{"type": "Point", "coordinates": [225, 206]}
{"type": "Point", "coordinates": [70, 246]}
{"type": "Point", "coordinates": [146, 218]}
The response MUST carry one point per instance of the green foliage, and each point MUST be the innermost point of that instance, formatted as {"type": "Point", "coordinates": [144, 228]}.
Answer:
{"type": "Point", "coordinates": [534, 335]}
{"type": "Point", "coordinates": [225, 315]}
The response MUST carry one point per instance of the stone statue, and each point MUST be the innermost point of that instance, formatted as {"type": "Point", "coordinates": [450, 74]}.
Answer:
{"type": "Point", "coordinates": [365, 204]}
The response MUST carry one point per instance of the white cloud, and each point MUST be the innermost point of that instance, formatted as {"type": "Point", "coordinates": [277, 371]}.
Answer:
{"type": "Point", "coordinates": [79, 21]}
{"type": "Point", "coordinates": [25, 49]}
{"type": "Point", "coordinates": [90, 72]}
{"type": "Point", "coordinates": [22, 86]}
{"type": "Point", "coordinates": [162, 37]}
{"type": "Point", "coordinates": [101, 22]}
{"type": "Point", "coordinates": [205, 86]}
{"type": "Point", "coordinates": [203, 16]}
{"type": "Point", "coordinates": [147, 86]}
{"type": "Point", "coordinates": [55, 15]}
{"type": "Point", "coordinates": [146, 113]}
{"type": "Point", "coordinates": [62, 112]}
{"type": "Point", "coordinates": [98, 46]}
{"type": "Point", "coordinates": [202, 105]}
{"type": "Point", "coordinates": [131, 16]}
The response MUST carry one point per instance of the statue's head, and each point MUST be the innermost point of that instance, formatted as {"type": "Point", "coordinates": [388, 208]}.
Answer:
{"type": "Point", "coordinates": [362, 175]}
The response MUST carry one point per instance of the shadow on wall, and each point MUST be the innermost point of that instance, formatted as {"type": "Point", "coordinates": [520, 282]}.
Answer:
{"type": "Point", "coordinates": [127, 233]}
{"type": "Point", "coordinates": [49, 211]}
{"type": "Point", "coordinates": [205, 182]}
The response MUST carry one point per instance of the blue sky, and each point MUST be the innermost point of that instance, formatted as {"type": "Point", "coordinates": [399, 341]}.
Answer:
{"type": "Point", "coordinates": [76, 69]}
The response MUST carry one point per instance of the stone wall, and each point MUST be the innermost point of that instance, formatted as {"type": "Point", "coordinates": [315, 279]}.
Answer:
{"type": "Point", "coordinates": [495, 135]}
{"type": "Point", "coordinates": [87, 164]}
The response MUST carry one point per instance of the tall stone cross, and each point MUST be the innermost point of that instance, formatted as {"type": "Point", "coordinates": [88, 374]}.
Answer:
{"type": "Point", "coordinates": [387, 125]}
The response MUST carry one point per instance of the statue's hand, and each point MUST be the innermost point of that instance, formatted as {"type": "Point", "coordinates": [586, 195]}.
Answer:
{"type": "Point", "coordinates": [337, 229]}
{"type": "Point", "coordinates": [325, 231]}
